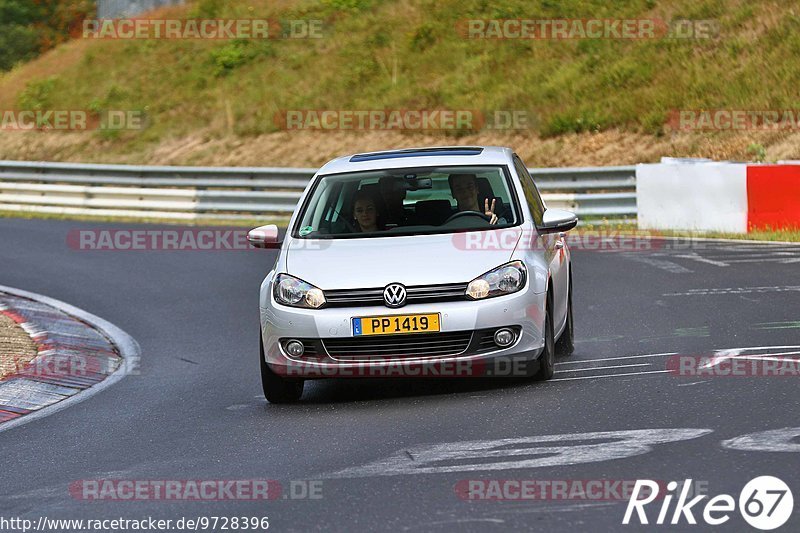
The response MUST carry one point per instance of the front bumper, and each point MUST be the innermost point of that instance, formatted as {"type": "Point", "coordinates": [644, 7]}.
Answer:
{"type": "Point", "coordinates": [524, 311]}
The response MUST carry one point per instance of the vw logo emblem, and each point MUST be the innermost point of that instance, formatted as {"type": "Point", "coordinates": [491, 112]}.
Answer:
{"type": "Point", "coordinates": [394, 295]}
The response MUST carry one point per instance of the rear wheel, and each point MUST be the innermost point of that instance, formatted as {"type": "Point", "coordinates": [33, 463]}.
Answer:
{"type": "Point", "coordinates": [566, 342]}
{"type": "Point", "coordinates": [547, 361]}
{"type": "Point", "coordinates": [276, 388]}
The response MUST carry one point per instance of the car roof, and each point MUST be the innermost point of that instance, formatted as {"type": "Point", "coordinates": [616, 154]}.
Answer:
{"type": "Point", "coordinates": [419, 157]}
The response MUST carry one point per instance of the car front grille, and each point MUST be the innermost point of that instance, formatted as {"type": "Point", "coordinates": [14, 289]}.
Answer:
{"type": "Point", "coordinates": [391, 346]}
{"type": "Point", "coordinates": [415, 294]}
{"type": "Point", "coordinates": [485, 341]}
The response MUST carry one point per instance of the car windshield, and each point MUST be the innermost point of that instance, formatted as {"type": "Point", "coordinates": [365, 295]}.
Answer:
{"type": "Point", "coordinates": [385, 203]}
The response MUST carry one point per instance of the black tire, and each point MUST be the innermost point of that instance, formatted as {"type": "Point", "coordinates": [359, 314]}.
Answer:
{"type": "Point", "coordinates": [276, 388]}
{"type": "Point", "coordinates": [566, 342]}
{"type": "Point", "coordinates": [547, 361]}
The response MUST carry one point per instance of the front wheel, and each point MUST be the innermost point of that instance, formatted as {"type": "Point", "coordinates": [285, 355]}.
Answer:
{"type": "Point", "coordinates": [547, 361]}
{"type": "Point", "coordinates": [276, 388]}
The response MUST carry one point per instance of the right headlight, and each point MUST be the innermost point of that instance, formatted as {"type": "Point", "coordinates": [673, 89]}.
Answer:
{"type": "Point", "coordinates": [505, 279]}
{"type": "Point", "coordinates": [292, 291]}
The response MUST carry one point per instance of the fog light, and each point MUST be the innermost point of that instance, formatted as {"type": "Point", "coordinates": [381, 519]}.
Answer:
{"type": "Point", "coordinates": [296, 348]}
{"type": "Point", "coordinates": [504, 337]}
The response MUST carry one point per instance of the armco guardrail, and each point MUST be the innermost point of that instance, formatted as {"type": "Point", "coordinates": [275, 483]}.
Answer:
{"type": "Point", "coordinates": [249, 192]}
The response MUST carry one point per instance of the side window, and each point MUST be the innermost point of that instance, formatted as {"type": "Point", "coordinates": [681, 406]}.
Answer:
{"type": "Point", "coordinates": [532, 197]}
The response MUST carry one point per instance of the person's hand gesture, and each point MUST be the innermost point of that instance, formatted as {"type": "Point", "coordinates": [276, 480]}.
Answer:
{"type": "Point", "coordinates": [489, 211]}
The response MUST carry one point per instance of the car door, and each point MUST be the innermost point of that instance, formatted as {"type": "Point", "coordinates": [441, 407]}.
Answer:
{"type": "Point", "coordinates": [553, 244]}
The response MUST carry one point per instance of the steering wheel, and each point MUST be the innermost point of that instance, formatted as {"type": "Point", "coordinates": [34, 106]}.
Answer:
{"type": "Point", "coordinates": [461, 214]}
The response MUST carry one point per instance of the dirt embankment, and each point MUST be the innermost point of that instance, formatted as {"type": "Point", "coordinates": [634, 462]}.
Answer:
{"type": "Point", "coordinates": [312, 149]}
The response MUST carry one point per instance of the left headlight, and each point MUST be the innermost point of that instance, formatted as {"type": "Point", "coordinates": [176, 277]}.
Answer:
{"type": "Point", "coordinates": [294, 292]}
{"type": "Point", "coordinates": [505, 279]}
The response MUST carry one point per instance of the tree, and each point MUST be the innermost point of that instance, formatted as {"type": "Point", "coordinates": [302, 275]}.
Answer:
{"type": "Point", "coordinates": [30, 27]}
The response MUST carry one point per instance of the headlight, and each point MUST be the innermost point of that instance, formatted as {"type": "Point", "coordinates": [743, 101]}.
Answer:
{"type": "Point", "coordinates": [294, 292]}
{"type": "Point", "coordinates": [502, 280]}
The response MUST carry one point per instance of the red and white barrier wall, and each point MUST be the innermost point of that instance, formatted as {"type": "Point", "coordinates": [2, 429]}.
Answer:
{"type": "Point", "coordinates": [713, 196]}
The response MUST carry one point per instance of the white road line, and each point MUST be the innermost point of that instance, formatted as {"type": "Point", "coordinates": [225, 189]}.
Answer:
{"type": "Point", "coordinates": [631, 357]}
{"type": "Point", "coordinates": [603, 367]}
{"type": "Point", "coordinates": [720, 355]}
{"type": "Point", "coordinates": [734, 290]}
{"type": "Point", "coordinates": [669, 266]}
{"type": "Point", "coordinates": [747, 357]}
{"type": "Point", "coordinates": [740, 254]}
{"type": "Point", "coordinates": [765, 260]}
{"type": "Point", "coordinates": [759, 358]}
{"type": "Point", "coordinates": [610, 375]}
{"type": "Point", "coordinates": [791, 346]}
{"type": "Point", "coordinates": [701, 259]}
{"type": "Point", "coordinates": [779, 353]}
{"type": "Point", "coordinates": [540, 451]}
{"type": "Point", "coordinates": [774, 440]}
{"type": "Point", "coordinates": [693, 383]}
{"type": "Point", "coordinates": [736, 353]}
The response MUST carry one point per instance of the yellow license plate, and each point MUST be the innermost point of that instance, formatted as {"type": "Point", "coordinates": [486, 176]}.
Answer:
{"type": "Point", "coordinates": [395, 324]}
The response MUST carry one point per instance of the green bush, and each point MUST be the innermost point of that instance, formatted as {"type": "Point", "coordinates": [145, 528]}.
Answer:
{"type": "Point", "coordinates": [38, 95]}
{"type": "Point", "coordinates": [235, 54]}
{"type": "Point", "coordinates": [17, 44]}
{"type": "Point", "coordinates": [758, 152]}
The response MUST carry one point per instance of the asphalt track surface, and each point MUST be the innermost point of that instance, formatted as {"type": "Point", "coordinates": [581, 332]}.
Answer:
{"type": "Point", "coordinates": [196, 410]}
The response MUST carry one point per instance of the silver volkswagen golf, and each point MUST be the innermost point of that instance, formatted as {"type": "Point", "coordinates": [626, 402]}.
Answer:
{"type": "Point", "coordinates": [441, 262]}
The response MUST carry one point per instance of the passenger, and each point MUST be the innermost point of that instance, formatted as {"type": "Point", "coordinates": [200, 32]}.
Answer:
{"type": "Point", "coordinates": [464, 188]}
{"type": "Point", "coordinates": [365, 213]}
{"type": "Point", "coordinates": [395, 213]}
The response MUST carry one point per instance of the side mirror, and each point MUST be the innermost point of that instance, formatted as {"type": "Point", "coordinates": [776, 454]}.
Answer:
{"type": "Point", "coordinates": [557, 220]}
{"type": "Point", "coordinates": [264, 237]}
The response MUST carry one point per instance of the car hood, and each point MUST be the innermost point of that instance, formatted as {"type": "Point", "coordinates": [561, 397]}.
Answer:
{"type": "Point", "coordinates": [410, 260]}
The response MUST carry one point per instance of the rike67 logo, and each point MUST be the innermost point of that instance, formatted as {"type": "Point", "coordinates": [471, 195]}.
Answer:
{"type": "Point", "coordinates": [765, 503]}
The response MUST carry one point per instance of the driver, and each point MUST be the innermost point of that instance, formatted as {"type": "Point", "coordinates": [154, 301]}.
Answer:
{"type": "Point", "coordinates": [393, 197]}
{"type": "Point", "coordinates": [464, 188]}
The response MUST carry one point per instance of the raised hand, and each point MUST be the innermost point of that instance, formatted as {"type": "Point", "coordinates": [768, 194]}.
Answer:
{"type": "Point", "coordinates": [489, 211]}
